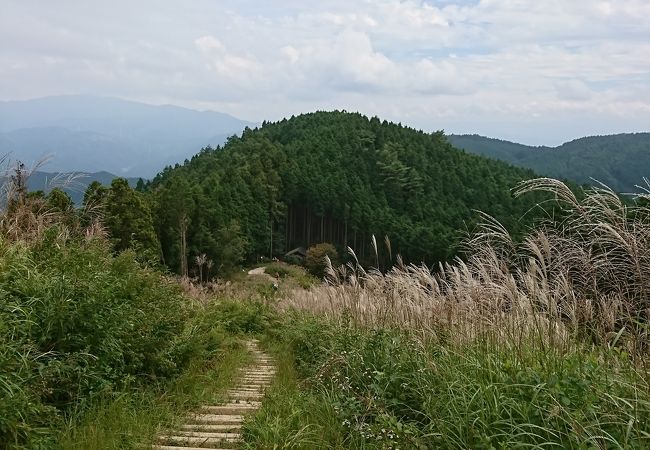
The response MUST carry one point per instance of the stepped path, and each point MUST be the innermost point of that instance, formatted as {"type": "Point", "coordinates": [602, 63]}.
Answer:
{"type": "Point", "coordinates": [219, 426]}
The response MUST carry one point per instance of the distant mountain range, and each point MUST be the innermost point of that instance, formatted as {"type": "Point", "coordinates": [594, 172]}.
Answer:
{"type": "Point", "coordinates": [92, 134]}
{"type": "Point", "coordinates": [130, 139]}
{"type": "Point", "coordinates": [620, 161]}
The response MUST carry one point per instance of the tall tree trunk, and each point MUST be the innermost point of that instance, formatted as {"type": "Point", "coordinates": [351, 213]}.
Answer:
{"type": "Point", "coordinates": [183, 235]}
{"type": "Point", "coordinates": [271, 245]}
{"type": "Point", "coordinates": [287, 232]}
{"type": "Point", "coordinates": [308, 222]}
{"type": "Point", "coordinates": [322, 229]}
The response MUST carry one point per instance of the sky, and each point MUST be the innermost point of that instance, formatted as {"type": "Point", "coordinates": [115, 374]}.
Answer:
{"type": "Point", "coordinates": [532, 71]}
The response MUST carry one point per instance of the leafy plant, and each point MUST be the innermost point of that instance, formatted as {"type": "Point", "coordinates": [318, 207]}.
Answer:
{"type": "Point", "coordinates": [315, 261]}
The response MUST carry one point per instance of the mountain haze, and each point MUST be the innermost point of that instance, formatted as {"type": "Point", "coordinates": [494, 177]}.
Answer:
{"type": "Point", "coordinates": [90, 134]}
{"type": "Point", "coordinates": [620, 161]}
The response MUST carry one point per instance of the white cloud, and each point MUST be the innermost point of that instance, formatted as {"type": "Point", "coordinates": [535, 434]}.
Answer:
{"type": "Point", "coordinates": [232, 66]}
{"type": "Point", "coordinates": [209, 44]}
{"type": "Point", "coordinates": [448, 64]}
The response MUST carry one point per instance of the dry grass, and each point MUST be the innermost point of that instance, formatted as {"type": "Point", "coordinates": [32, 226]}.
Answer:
{"type": "Point", "coordinates": [26, 218]}
{"type": "Point", "coordinates": [583, 273]}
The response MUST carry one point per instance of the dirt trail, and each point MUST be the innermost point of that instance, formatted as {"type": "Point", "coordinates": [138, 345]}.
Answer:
{"type": "Point", "coordinates": [257, 271]}
{"type": "Point", "coordinates": [219, 426]}
{"type": "Point", "coordinates": [261, 271]}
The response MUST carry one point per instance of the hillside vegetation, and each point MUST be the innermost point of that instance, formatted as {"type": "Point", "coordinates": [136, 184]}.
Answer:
{"type": "Point", "coordinates": [620, 161]}
{"type": "Point", "coordinates": [537, 337]}
{"type": "Point", "coordinates": [331, 177]}
{"type": "Point", "coordinates": [537, 344]}
{"type": "Point", "coordinates": [99, 348]}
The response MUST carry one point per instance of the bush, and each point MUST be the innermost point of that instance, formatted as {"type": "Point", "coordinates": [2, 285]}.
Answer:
{"type": "Point", "coordinates": [282, 270]}
{"type": "Point", "coordinates": [295, 273]}
{"type": "Point", "coordinates": [315, 259]}
{"type": "Point", "coordinates": [294, 260]}
{"type": "Point", "coordinates": [76, 322]}
{"type": "Point", "coordinates": [237, 317]}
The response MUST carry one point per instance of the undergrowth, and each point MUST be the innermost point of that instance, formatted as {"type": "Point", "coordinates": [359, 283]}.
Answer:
{"type": "Point", "coordinates": [133, 418]}
{"type": "Point", "coordinates": [82, 329]}
{"type": "Point", "coordinates": [292, 416]}
{"type": "Point", "coordinates": [534, 343]}
{"type": "Point", "coordinates": [389, 389]}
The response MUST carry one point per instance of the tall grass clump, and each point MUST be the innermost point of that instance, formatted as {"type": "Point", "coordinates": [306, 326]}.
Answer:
{"type": "Point", "coordinates": [79, 324]}
{"type": "Point", "coordinates": [541, 342]}
{"type": "Point", "coordinates": [582, 273]}
{"type": "Point", "coordinates": [76, 322]}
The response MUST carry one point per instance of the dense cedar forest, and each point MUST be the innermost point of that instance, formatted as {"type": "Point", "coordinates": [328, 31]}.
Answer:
{"type": "Point", "coordinates": [620, 161]}
{"type": "Point", "coordinates": [333, 177]}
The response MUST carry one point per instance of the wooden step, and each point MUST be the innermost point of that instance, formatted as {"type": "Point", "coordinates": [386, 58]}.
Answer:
{"type": "Point", "coordinates": [218, 426]}
{"type": "Point", "coordinates": [215, 428]}
{"type": "Point", "coordinates": [229, 409]}
{"type": "Point", "coordinates": [205, 442]}
{"type": "Point", "coordinates": [255, 403]}
{"type": "Point", "coordinates": [245, 396]}
{"type": "Point", "coordinates": [173, 447]}
{"type": "Point", "coordinates": [209, 434]}
{"type": "Point", "coordinates": [216, 419]}
{"type": "Point", "coordinates": [255, 396]}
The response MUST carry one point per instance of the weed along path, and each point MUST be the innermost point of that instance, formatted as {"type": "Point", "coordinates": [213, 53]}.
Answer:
{"type": "Point", "coordinates": [219, 426]}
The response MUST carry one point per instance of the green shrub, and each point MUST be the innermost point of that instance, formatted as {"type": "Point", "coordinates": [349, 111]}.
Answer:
{"type": "Point", "coordinates": [238, 317]}
{"type": "Point", "coordinates": [293, 260]}
{"type": "Point", "coordinates": [76, 322]}
{"type": "Point", "coordinates": [286, 271]}
{"type": "Point", "coordinates": [315, 259]}
{"type": "Point", "coordinates": [281, 270]}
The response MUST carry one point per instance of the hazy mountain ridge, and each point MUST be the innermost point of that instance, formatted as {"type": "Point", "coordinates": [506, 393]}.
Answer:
{"type": "Point", "coordinates": [127, 138]}
{"type": "Point", "coordinates": [90, 134]}
{"type": "Point", "coordinates": [620, 161]}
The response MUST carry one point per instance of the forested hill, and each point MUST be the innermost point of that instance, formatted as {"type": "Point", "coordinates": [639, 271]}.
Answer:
{"type": "Point", "coordinates": [331, 177]}
{"type": "Point", "coordinates": [621, 161]}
